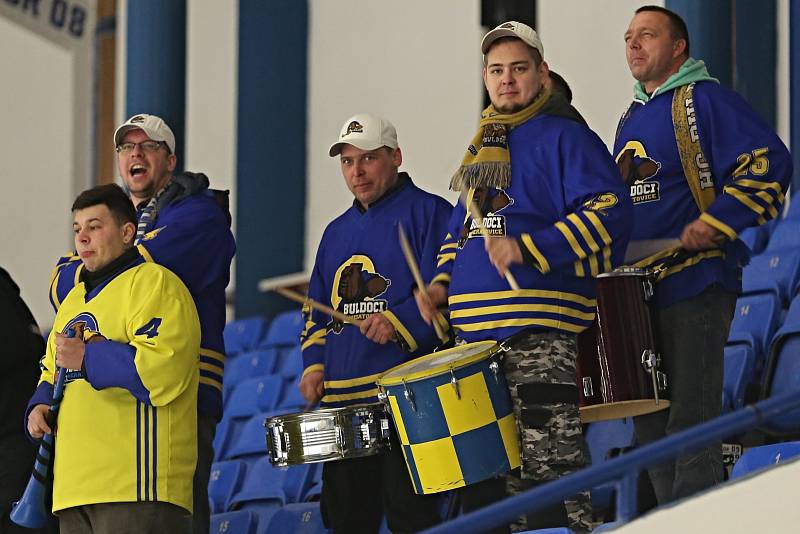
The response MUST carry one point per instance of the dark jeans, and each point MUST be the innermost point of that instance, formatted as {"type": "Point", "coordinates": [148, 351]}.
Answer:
{"type": "Point", "coordinates": [124, 518]}
{"type": "Point", "coordinates": [356, 493]}
{"type": "Point", "coordinates": [201, 517]}
{"type": "Point", "coordinates": [691, 335]}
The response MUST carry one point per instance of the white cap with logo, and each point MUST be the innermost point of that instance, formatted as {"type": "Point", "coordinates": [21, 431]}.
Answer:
{"type": "Point", "coordinates": [366, 132]}
{"type": "Point", "coordinates": [516, 29]}
{"type": "Point", "coordinates": [155, 128]}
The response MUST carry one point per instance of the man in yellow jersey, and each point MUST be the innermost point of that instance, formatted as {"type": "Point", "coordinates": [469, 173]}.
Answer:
{"type": "Point", "coordinates": [126, 446]}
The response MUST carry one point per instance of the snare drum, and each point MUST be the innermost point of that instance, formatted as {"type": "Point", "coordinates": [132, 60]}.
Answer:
{"type": "Point", "coordinates": [454, 416]}
{"type": "Point", "coordinates": [327, 434]}
{"type": "Point", "coordinates": [618, 364]}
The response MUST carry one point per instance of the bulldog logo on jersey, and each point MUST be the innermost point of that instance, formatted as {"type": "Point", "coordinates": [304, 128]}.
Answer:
{"type": "Point", "coordinates": [490, 202]}
{"type": "Point", "coordinates": [355, 288]}
{"type": "Point", "coordinates": [637, 170]}
{"type": "Point", "coordinates": [85, 328]}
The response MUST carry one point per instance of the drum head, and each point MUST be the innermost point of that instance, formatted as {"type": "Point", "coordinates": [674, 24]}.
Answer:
{"type": "Point", "coordinates": [438, 363]}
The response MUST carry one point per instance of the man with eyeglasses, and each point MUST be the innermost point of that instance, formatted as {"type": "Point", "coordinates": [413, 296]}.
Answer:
{"type": "Point", "coordinates": [184, 226]}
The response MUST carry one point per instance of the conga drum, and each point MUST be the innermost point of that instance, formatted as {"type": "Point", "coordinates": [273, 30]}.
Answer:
{"type": "Point", "coordinates": [619, 367]}
{"type": "Point", "coordinates": [454, 416]}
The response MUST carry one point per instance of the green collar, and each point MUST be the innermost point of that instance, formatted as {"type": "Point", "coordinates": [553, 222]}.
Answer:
{"type": "Point", "coordinates": [691, 71]}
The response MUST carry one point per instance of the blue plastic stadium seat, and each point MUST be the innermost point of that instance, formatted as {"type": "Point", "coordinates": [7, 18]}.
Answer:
{"type": "Point", "coordinates": [244, 334]}
{"type": "Point", "coordinates": [774, 270]}
{"type": "Point", "coordinates": [761, 457]}
{"type": "Point", "coordinates": [251, 440]}
{"type": "Point", "coordinates": [782, 374]}
{"type": "Point", "coordinates": [755, 321]}
{"type": "Point", "coordinates": [785, 235]}
{"type": "Point", "coordinates": [290, 362]}
{"type": "Point", "coordinates": [739, 372]}
{"type": "Point", "coordinates": [239, 522]}
{"type": "Point", "coordinates": [252, 363]}
{"type": "Point", "coordinates": [604, 438]}
{"type": "Point", "coordinates": [298, 518]}
{"type": "Point", "coordinates": [291, 399]}
{"type": "Point", "coordinates": [755, 238]}
{"type": "Point", "coordinates": [225, 480]}
{"type": "Point", "coordinates": [262, 483]}
{"type": "Point", "coordinates": [284, 330]}
{"type": "Point", "coordinates": [606, 527]}
{"type": "Point", "coordinates": [249, 397]}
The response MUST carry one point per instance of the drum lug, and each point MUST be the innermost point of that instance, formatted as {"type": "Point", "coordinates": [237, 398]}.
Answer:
{"type": "Point", "coordinates": [650, 362]}
{"type": "Point", "coordinates": [409, 396]}
{"type": "Point", "coordinates": [662, 380]}
{"type": "Point", "coordinates": [588, 391]}
{"type": "Point", "coordinates": [454, 383]}
{"type": "Point", "coordinates": [647, 286]}
{"type": "Point", "coordinates": [495, 368]}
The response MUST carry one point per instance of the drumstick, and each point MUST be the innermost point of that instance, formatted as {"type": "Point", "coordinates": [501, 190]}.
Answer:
{"type": "Point", "coordinates": [472, 208]}
{"type": "Point", "coordinates": [412, 265]}
{"type": "Point", "coordinates": [297, 297]}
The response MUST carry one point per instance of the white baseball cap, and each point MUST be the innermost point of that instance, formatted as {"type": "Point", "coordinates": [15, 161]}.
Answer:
{"type": "Point", "coordinates": [155, 128]}
{"type": "Point", "coordinates": [516, 29]}
{"type": "Point", "coordinates": [366, 132]}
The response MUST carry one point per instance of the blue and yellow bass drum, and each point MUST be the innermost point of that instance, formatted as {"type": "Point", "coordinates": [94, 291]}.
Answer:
{"type": "Point", "coordinates": [454, 416]}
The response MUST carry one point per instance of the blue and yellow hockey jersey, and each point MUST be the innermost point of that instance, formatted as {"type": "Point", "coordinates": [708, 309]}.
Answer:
{"type": "Point", "coordinates": [746, 173]}
{"type": "Point", "coordinates": [127, 429]}
{"type": "Point", "coordinates": [570, 213]}
{"type": "Point", "coordinates": [360, 270]}
{"type": "Point", "coordinates": [190, 236]}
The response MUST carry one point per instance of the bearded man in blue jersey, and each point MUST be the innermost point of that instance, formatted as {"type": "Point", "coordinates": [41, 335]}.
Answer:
{"type": "Point", "coordinates": [558, 214]}
{"type": "Point", "coordinates": [701, 167]}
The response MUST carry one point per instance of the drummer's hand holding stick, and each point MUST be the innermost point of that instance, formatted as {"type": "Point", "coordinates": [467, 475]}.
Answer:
{"type": "Point", "coordinates": [429, 301]}
{"type": "Point", "coordinates": [312, 387]}
{"type": "Point", "coordinates": [699, 235]}
{"type": "Point", "coordinates": [503, 251]}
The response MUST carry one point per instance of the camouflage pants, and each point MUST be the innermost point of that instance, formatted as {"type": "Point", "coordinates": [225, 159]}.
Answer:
{"type": "Point", "coordinates": [551, 436]}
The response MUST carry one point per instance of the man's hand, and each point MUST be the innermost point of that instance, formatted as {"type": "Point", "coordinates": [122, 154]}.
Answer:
{"type": "Point", "coordinates": [69, 352]}
{"type": "Point", "coordinates": [699, 235]}
{"type": "Point", "coordinates": [503, 251]}
{"type": "Point", "coordinates": [37, 421]}
{"type": "Point", "coordinates": [378, 328]}
{"type": "Point", "coordinates": [312, 387]}
{"type": "Point", "coordinates": [437, 296]}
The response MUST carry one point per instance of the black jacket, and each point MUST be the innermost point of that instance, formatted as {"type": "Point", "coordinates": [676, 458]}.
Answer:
{"type": "Point", "coordinates": [21, 347]}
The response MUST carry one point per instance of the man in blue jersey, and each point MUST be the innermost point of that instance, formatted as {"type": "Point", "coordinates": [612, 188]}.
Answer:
{"type": "Point", "coordinates": [360, 271]}
{"type": "Point", "coordinates": [184, 226]}
{"type": "Point", "coordinates": [701, 167]}
{"type": "Point", "coordinates": [557, 212]}
{"type": "Point", "coordinates": [126, 445]}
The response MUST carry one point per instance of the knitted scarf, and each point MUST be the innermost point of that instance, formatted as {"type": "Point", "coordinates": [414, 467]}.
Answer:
{"type": "Point", "coordinates": [487, 162]}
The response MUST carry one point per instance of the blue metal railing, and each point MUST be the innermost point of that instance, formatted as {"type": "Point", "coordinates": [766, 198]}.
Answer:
{"type": "Point", "coordinates": [623, 470]}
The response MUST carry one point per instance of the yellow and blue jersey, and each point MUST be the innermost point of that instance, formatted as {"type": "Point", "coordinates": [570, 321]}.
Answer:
{"type": "Point", "coordinates": [191, 237]}
{"type": "Point", "coordinates": [570, 214]}
{"type": "Point", "coordinates": [360, 270]}
{"type": "Point", "coordinates": [746, 174]}
{"type": "Point", "coordinates": [127, 425]}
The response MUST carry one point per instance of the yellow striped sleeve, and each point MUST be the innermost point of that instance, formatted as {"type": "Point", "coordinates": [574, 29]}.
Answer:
{"type": "Point", "coordinates": [353, 382]}
{"type": "Point", "coordinates": [441, 278]}
{"type": "Point", "coordinates": [745, 199]}
{"type": "Point", "coordinates": [317, 338]}
{"type": "Point", "coordinates": [542, 263]}
{"type": "Point", "coordinates": [719, 225]}
{"type": "Point", "coordinates": [313, 368]}
{"type": "Point", "coordinates": [576, 248]}
{"type": "Point", "coordinates": [401, 330]}
{"type": "Point", "coordinates": [350, 396]}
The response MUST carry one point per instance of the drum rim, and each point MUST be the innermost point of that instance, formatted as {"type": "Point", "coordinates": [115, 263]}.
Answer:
{"type": "Point", "coordinates": [438, 370]}
{"type": "Point", "coordinates": [625, 271]}
{"type": "Point", "coordinates": [327, 411]}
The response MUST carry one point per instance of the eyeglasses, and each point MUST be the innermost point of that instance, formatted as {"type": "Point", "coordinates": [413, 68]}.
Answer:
{"type": "Point", "coordinates": [146, 146]}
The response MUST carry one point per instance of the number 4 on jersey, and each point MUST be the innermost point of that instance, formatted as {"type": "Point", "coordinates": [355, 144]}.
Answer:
{"type": "Point", "coordinates": [150, 329]}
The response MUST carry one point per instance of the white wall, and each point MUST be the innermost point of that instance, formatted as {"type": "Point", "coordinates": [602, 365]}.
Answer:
{"type": "Point", "coordinates": [36, 150]}
{"type": "Point", "coordinates": [415, 62]}
{"type": "Point", "coordinates": [583, 41]}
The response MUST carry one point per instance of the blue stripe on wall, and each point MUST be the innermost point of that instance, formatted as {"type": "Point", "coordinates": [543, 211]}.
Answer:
{"type": "Point", "coordinates": [156, 64]}
{"type": "Point", "coordinates": [710, 37]}
{"type": "Point", "coordinates": [271, 148]}
{"type": "Point", "coordinates": [754, 67]}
